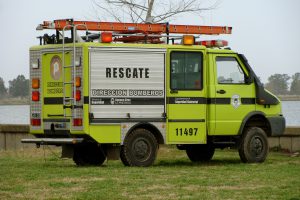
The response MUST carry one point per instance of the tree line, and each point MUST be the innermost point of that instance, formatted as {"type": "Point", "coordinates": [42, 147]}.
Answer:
{"type": "Point", "coordinates": [279, 84]}
{"type": "Point", "coordinates": [18, 87]}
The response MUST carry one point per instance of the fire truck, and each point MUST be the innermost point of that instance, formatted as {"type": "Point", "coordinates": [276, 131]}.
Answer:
{"type": "Point", "coordinates": [108, 90]}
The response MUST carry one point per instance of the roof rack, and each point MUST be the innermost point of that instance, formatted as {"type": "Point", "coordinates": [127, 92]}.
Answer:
{"type": "Point", "coordinates": [135, 32]}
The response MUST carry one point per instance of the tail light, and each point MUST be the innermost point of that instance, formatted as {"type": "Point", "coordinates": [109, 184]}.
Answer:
{"type": "Point", "coordinates": [77, 122]}
{"type": "Point", "coordinates": [35, 96]}
{"type": "Point", "coordinates": [78, 95]}
{"type": "Point", "coordinates": [35, 122]}
{"type": "Point", "coordinates": [35, 84]}
{"type": "Point", "coordinates": [78, 81]}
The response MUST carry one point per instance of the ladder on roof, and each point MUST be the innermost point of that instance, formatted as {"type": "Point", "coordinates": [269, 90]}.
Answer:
{"type": "Point", "coordinates": [69, 102]}
{"type": "Point", "coordinates": [135, 27]}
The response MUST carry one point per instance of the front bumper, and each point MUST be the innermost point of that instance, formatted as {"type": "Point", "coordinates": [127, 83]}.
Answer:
{"type": "Point", "coordinates": [277, 125]}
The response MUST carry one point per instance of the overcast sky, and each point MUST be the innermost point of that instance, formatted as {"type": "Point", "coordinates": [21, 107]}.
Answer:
{"type": "Point", "coordinates": [267, 32]}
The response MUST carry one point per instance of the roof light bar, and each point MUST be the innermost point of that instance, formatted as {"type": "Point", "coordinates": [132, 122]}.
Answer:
{"type": "Point", "coordinates": [188, 39]}
{"type": "Point", "coordinates": [214, 43]}
{"type": "Point", "coordinates": [106, 37]}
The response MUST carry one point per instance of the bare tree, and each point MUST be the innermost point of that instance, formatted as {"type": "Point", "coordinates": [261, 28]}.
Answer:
{"type": "Point", "coordinates": [150, 11]}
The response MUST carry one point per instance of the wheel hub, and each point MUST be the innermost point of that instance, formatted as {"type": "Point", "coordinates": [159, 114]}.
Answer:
{"type": "Point", "coordinates": [256, 146]}
{"type": "Point", "coordinates": [141, 149]}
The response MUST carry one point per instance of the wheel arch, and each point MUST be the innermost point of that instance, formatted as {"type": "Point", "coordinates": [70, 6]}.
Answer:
{"type": "Point", "coordinates": [257, 119]}
{"type": "Point", "coordinates": [158, 134]}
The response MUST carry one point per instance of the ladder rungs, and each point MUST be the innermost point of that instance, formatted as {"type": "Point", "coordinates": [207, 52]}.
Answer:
{"type": "Point", "coordinates": [68, 102]}
{"type": "Point", "coordinates": [68, 83]}
{"type": "Point", "coordinates": [68, 99]}
{"type": "Point", "coordinates": [68, 106]}
{"type": "Point", "coordinates": [69, 66]}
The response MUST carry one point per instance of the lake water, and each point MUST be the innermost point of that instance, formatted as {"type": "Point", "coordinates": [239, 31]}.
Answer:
{"type": "Point", "coordinates": [19, 114]}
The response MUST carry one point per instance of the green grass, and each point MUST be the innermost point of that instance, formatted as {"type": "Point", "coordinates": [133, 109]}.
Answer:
{"type": "Point", "coordinates": [31, 175]}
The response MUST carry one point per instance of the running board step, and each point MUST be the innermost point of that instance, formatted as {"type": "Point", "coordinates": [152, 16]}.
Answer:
{"type": "Point", "coordinates": [53, 141]}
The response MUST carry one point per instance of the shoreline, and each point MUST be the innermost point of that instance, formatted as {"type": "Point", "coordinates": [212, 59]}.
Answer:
{"type": "Point", "coordinates": [14, 101]}
{"type": "Point", "coordinates": [289, 97]}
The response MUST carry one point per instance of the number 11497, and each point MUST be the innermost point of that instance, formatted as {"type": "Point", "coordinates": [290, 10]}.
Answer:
{"type": "Point", "coordinates": [186, 131]}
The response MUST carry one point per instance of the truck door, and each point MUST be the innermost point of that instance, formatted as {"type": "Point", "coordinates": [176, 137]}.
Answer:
{"type": "Point", "coordinates": [52, 84]}
{"type": "Point", "coordinates": [233, 96]}
{"type": "Point", "coordinates": [185, 97]}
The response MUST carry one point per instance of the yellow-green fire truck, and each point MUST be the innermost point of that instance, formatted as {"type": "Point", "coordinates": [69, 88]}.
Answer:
{"type": "Point", "coordinates": [123, 89]}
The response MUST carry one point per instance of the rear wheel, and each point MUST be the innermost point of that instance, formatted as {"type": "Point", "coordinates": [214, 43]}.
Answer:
{"type": "Point", "coordinates": [254, 146]}
{"type": "Point", "coordinates": [123, 157]}
{"type": "Point", "coordinates": [88, 154]}
{"type": "Point", "coordinates": [200, 152]}
{"type": "Point", "coordinates": [139, 148]}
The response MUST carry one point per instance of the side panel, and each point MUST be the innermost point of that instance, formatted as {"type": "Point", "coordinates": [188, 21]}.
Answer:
{"type": "Point", "coordinates": [78, 109]}
{"type": "Point", "coordinates": [36, 106]}
{"type": "Point", "coordinates": [106, 133]}
{"type": "Point", "coordinates": [126, 83]}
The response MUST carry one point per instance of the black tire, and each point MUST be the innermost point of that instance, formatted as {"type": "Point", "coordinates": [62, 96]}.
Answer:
{"type": "Point", "coordinates": [254, 146]}
{"type": "Point", "coordinates": [88, 154]}
{"type": "Point", "coordinates": [139, 148]}
{"type": "Point", "coordinates": [122, 156]}
{"type": "Point", "coordinates": [200, 152]}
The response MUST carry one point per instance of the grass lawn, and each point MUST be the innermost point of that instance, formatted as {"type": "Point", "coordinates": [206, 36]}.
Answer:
{"type": "Point", "coordinates": [41, 174]}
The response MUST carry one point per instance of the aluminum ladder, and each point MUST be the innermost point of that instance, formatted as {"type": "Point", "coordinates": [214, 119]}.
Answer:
{"type": "Point", "coordinates": [70, 102]}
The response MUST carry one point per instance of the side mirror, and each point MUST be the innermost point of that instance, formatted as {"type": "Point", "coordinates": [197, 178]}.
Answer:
{"type": "Point", "coordinates": [249, 79]}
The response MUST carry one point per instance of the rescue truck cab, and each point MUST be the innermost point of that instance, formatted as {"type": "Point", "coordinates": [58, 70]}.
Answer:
{"type": "Point", "coordinates": [136, 88]}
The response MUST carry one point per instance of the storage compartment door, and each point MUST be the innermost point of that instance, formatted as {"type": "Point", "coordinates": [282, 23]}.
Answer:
{"type": "Point", "coordinates": [127, 83]}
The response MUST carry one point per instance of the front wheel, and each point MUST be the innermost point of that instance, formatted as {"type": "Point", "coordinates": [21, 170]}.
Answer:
{"type": "Point", "coordinates": [139, 148]}
{"type": "Point", "coordinates": [254, 145]}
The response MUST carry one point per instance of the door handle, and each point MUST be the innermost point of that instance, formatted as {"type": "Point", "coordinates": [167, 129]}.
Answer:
{"type": "Point", "coordinates": [221, 91]}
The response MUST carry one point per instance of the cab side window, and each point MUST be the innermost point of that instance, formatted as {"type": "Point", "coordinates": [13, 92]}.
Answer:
{"type": "Point", "coordinates": [186, 70]}
{"type": "Point", "coordinates": [229, 71]}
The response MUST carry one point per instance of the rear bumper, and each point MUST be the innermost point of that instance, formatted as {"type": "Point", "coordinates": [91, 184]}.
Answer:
{"type": "Point", "coordinates": [277, 125]}
{"type": "Point", "coordinates": [53, 141]}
